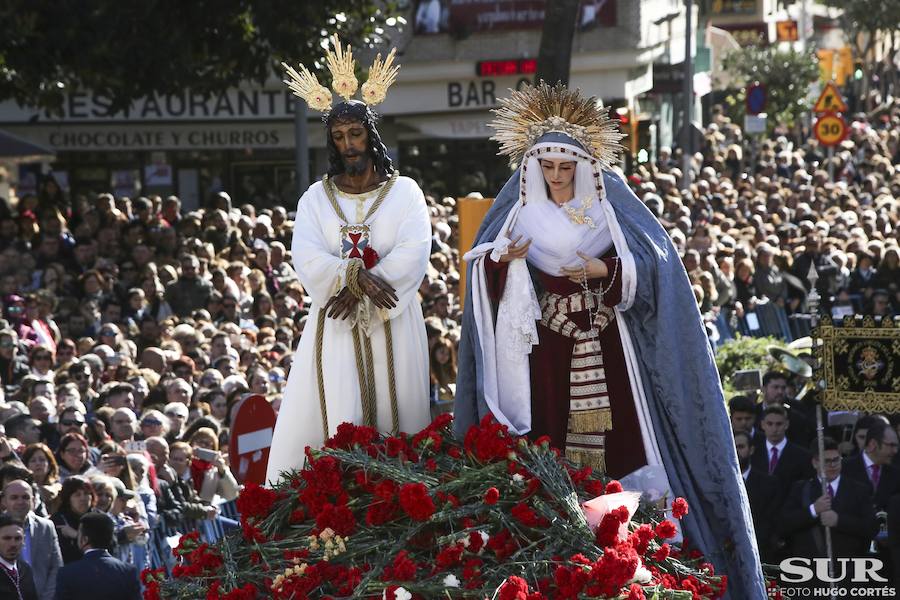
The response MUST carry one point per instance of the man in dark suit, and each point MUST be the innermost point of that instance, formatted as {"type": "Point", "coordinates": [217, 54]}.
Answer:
{"type": "Point", "coordinates": [763, 493]}
{"type": "Point", "coordinates": [777, 456]}
{"type": "Point", "coordinates": [742, 412]}
{"type": "Point", "coordinates": [872, 467]}
{"type": "Point", "coordinates": [801, 428]}
{"type": "Point", "coordinates": [846, 507]}
{"type": "Point", "coordinates": [97, 576]}
{"type": "Point", "coordinates": [41, 547]}
{"type": "Point", "coordinates": [16, 580]}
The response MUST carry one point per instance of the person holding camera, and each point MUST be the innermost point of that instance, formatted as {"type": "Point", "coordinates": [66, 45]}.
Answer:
{"type": "Point", "coordinates": [209, 469]}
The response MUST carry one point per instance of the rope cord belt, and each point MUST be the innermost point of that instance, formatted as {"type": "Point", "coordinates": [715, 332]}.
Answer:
{"type": "Point", "coordinates": [362, 345]}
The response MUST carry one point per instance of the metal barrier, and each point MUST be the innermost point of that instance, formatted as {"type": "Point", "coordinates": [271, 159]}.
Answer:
{"type": "Point", "coordinates": [163, 537]}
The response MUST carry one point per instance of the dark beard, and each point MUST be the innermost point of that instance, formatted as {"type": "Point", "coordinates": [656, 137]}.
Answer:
{"type": "Point", "coordinates": [357, 167]}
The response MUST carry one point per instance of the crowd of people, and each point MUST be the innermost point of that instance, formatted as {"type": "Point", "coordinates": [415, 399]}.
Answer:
{"type": "Point", "coordinates": [131, 328]}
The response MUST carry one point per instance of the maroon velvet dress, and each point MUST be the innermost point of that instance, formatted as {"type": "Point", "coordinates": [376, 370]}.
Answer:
{"type": "Point", "coordinates": [551, 371]}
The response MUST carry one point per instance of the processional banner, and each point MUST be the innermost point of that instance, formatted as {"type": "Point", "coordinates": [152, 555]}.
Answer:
{"type": "Point", "coordinates": [859, 364]}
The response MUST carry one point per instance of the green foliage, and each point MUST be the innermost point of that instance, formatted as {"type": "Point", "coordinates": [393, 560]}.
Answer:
{"type": "Point", "coordinates": [123, 51]}
{"type": "Point", "coordinates": [743, 353]}
{"type": "Point", "coordinates": [868, 16]}
{"type": "Point", "coordinates": [787, 75]}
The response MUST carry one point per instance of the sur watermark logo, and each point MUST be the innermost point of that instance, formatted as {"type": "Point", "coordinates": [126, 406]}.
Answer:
{"type": "Point", "coordinates": [850, 577]}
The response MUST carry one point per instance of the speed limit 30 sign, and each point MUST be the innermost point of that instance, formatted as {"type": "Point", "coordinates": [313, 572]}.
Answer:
{"type": "Point", "coordinates": [830, 129]}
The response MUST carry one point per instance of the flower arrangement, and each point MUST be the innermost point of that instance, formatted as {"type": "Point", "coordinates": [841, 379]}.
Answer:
{"type": "Point", "coordinates": [422, 516]}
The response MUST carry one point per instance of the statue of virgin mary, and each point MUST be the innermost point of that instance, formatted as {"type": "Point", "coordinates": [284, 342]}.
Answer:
{"type": "Point", "coordinates": [580, 325]}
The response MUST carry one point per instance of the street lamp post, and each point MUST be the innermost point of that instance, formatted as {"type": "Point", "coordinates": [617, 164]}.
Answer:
{"type": "Point", "coordinates": [687, 151]}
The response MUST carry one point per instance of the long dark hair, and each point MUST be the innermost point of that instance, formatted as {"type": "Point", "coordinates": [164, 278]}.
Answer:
{"type": "Point", "coordinates": [72, 485]}
{"type": "Point", "coordinates": [348, 112]}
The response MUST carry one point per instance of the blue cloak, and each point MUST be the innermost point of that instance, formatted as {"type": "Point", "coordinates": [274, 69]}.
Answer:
{"type": "Point", "coordinates": [681, 384]}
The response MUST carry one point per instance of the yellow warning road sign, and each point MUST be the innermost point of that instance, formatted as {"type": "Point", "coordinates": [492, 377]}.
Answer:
{"type": "Point", "coordinates": [830, 101]}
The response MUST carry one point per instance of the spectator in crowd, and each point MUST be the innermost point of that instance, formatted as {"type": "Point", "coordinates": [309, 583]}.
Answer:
{"type": "Point", "coordinates": [40, 461]}
{"type": "Point", "coordinates": [209, 471]}
{"type": "Point", "coordinates": [13, 365]}
{"type": "Point", "coordinates": [183, 487]}
{"type": "Point", "coordinates": [76, 498]}
{"type": "Point", "coordinates": [73, 455]}
{"type": "Point", "coordinates": [41, 547]}
{"type": "Point", "coordinates": [24, 428]}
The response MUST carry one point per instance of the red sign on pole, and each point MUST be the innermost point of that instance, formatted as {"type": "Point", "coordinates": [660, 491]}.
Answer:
{"type": "Point", "coordinates": [830, 130]}
{"type": "Point", "coordinates": [251, 438]}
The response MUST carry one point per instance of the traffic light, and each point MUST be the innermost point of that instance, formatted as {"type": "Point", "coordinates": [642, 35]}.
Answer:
{"type": "Point", "coordinates": [628, 123]}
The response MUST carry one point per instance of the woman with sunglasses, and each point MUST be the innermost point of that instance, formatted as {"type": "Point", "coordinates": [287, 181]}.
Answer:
{"type": "Point", "coordinates": [41, 361]}
{"type": "Point", "coordinates": [73, 456]}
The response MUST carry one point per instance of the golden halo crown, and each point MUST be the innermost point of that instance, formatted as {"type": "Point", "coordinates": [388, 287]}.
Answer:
{"type": "Point", "coordinates": [305, 84]}
{"type": "Point", "coordinates": [532, 111]}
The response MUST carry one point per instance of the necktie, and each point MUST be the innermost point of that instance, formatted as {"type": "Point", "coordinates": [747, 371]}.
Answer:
{"type": "Point", "coordinates": [13, 575]}
{"type": "Point", "coordinates": [830, 491]}
{"type": "Point", "coordinates": [876, 475]}
{"type": "Point", "coordinates": [773, 462]}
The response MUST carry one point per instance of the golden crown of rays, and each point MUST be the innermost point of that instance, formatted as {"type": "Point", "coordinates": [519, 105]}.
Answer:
{"type": "Point", "coordinates": [529, 113]}
{"type": "Point", "coordinates": [305, 84]}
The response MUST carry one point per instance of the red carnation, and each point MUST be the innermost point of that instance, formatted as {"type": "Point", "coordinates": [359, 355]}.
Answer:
{"type": "Point", "coordinates": [641, 537]}
{"type": "Point", "coordinates": [635, 592]}
{"type": "Point", "coordinates": [514, 588]}
{"type": "Point", "coordinates": [525, 515]}
{"type": "Point", "coordinates": [402, 569]}
{"type": "Point", "coordinates": [492, 496]}
{"type": "Point", "coordinates": [475, 542]}
{"type": "Point", "coordinates": [679, 508]}
{"type": "Point", "coordinates": [339, 518]}
{"type": "Point", "coordinates": [450, 556]}
{"type": "Point", "coordinates": [613, 570]}
{"type": "Point", "coordinates": [662, 554]}
{"type": "Point", "coordinates": [665, 530]}
{"type": "Point", "coordinates": [594, 487]}
{"type": "Point", "coordinates": [613, 487]}
{"type": "Point", "coordinates": [255, 501]}
{"type": "Point", "coordinates": [416, 502]}
{"type": "Point", "coordinates": [370, 257]}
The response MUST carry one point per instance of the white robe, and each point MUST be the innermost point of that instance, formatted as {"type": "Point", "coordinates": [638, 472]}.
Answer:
{"type": "Point", "coordinates": [400, 231]}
